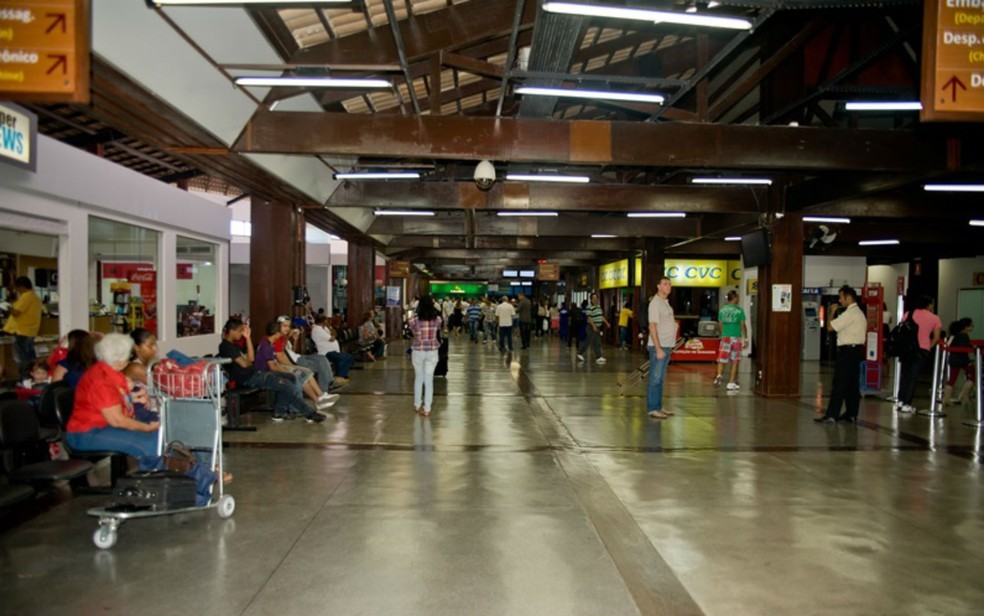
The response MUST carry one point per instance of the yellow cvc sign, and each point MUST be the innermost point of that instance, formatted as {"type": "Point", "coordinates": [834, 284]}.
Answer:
{"type": "Point", "coordinates": [681, 272]}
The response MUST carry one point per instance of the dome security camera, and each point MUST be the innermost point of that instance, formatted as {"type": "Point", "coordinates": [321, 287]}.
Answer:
{"type": "Point", "coordinates": [484, 175]}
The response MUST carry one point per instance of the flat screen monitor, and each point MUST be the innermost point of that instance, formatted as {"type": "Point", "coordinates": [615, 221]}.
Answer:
{"type": "Point", "coordinates": [510, 274]}
{"type": "Point", "coordinates": [755, 249]}
{"type": "Point", "coordinates": [527, 273]}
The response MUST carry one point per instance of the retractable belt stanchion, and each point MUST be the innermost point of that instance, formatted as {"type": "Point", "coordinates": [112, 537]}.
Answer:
{"type": "Point", "coordinates": [944, 371]}
{"type": "Point", "coordinates": [896, 381]}
{"type": "Point", "coordinates": [933, 398]}
{"type": "Point", "coordinates": [979, 421]}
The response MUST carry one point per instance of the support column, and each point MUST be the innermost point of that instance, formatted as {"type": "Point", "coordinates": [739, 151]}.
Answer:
{"type": "Point", "coordinates": [298, 257]}
{"type": "Point", "coordinates": [653, 267]}
{"type": "Point", "coordinates": [777, 334]}
{"type": "Point", "coordinates": [361, 277]}
{"type": "Point", "coordinates": [270, 272]}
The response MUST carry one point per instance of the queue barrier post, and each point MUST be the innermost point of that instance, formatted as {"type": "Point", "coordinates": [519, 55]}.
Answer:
{"type": "Point", "coordinates": [934, 410]}
{"type": "Point", "coordinates": [944, 363]}
{"type": "Point", "coordinates": [979, 421]}
{"type": "Point", "coordinates": [894, 398]}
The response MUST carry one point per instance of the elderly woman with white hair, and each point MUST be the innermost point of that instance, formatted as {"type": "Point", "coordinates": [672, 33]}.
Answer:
{"type": "Point", "coordinates": [102, 418]}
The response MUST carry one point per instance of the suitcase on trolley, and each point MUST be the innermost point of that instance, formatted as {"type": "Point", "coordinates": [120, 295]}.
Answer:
{"type": "Point", "coordinates": [154, 491]}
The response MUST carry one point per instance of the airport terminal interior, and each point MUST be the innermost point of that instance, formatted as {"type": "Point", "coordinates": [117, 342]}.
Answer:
{"type": "Point", "coordinates": [176, 168]}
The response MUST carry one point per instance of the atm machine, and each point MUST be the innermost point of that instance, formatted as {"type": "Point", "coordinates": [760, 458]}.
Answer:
{"type": "Point", "coordinates": [811, 330]}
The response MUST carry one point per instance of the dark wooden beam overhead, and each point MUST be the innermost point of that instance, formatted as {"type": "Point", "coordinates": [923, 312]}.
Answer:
{"type": "Point", "coordinates": [564, 226]}
{"type": "Point", "coordinates": [523, 196]}
{"type": "Point", "coordinates": [599, 142]}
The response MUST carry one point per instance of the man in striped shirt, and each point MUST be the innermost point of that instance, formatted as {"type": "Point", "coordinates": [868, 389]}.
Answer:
{"type": "Point", "coordinates": [595, 321]}
{"type": "Point", "coordinates": [474, 316]}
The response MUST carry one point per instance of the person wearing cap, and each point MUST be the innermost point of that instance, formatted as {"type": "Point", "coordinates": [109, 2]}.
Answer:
{"type": "Point", "coordinates": [292, 345]}
{"type": "Point", "coordinates": [271, 356]}
{"type": "Point", "coordinates": [243, 371]}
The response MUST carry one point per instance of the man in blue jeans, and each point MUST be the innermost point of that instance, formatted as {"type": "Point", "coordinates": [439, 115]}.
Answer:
{"type": "Point", "coordinates": [662, 337]}
{"type": "Point", "coordinates": [288, 396]}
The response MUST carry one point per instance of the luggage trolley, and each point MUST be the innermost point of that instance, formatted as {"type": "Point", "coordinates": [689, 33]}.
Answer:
{"type": "Point", "coordinates": [190, 406]}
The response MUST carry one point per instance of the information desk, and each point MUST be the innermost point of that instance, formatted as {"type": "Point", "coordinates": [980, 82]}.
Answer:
{"type": "Point", "coordinates": [697, 349]}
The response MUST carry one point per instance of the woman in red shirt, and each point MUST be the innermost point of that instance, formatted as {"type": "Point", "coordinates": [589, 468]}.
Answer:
{"type": "Point", "coordinates": [102, 418]}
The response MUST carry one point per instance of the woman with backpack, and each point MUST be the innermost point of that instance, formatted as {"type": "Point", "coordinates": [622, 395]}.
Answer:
{"type": "Point", "coordinates": [929, 327]}
{"type": "Point", "coordinates": [959, 360]}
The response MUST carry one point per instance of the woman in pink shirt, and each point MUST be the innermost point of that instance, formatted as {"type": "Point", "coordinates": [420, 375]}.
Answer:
{"type": "Point", "coordinates": [425, 325]}
{"type": "Point", "coordinates": [929, 335]}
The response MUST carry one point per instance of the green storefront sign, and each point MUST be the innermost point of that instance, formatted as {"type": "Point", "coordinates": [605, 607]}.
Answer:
{"type": "Point", "coordinates": [458, 289]}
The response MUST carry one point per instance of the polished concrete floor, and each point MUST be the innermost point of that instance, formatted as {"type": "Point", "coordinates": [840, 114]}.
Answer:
{"type": "Point", "coordinates": [537, 487]}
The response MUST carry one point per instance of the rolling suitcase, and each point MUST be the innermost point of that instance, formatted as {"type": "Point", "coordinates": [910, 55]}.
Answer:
{"type": "Point", "coordinates": [155, 491]}
{"type": "Point", "coordinates": [442, 359]}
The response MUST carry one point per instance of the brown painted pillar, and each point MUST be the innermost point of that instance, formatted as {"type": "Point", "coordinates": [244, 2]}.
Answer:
{"type": "Point", "coordinates": [394, 315]}
{"type": "Point", "coordinates": [361, 278]}
{"type": "Point", "coordinates": [298, 256]}
{"type": "Point", "coordinates": [777, 334]}
{"type": "Point", "coordinates": [653, 267]}
{"type": "Point", "coordinates": [270, 271]}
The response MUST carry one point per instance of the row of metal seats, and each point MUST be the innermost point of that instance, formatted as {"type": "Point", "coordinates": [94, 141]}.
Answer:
{"type": "Point", "coordinates": [24, 455]}
{"type": "Point", "coordinates": [27, 431]}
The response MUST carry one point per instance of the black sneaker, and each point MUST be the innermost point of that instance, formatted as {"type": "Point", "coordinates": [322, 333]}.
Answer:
{"type": "Point", "coordinates": [278, 417]}
{"type": "Point", "coordinates": [315, 418]}
{"type": "Point", "coordinates": [825, 420]}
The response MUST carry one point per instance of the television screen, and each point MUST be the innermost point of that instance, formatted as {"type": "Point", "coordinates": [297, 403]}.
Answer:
{"type": "Point", "coordinates": [755, 249]}
{"type": "Point", "coordinates": [510, 274]}
{"type": "Point", "coordinates": [527, 273]}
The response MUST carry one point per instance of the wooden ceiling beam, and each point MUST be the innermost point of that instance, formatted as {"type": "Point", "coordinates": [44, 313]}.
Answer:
{"type": "Point", "coordinates": [608, 143]}
{"type": "Point", "coordinates": [552, 197]}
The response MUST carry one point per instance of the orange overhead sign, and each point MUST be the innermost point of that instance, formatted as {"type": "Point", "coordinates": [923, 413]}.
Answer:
{"type": "Point", "coordinates": [953, 60]}
{"type": "Point", "coordinates": [549, 271]}
{"type": "Point", "coordinates": [44, 50]}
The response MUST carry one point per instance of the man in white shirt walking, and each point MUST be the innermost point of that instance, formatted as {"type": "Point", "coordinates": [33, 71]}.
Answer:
{"type": "Point", "coordinates": [505, 312]}
{"type": "Point", "coordinates": [662, 337]}
{"type": "Point", "coordinates": [850, 326]}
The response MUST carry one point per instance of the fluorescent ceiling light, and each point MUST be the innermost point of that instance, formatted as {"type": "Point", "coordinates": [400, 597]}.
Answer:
{"type": "Point", "coordinates": [749, 181]}
{"type": "Point", "coordinates": [312, 82]}
{"type": "Point", "coordinates": [525, 213]}
{"type": "Point", "coordinates": [241, 2]}
{"type": "Point", "coordinates": [954, 187]}
{"type": "Point", "coordinates": [526, 177]}
{"type": "Point", "coordinates": [883, 106]}
{"type": "Point", "coordinates": [378, 175]}
{"type": "Point", "coordinates": [656, 215]}
{"type": "Point", "coordinates": [878, 243]}
{"type": "Point", "coordinates": [977, 223]}
{"type": "Point", "coordinates": [843, 221]}
{"type": "Point", "coordinates": [636, 97]}
{"type": "Point", "coordinates": [515, 284]}
{"type": "Point", "coordinates": [599, 236]}
{"type": "Point", "coordinates": [619, 12]}
{"type": "Point", "coordinates": [733, 238]}
{"type": "Point", "coordinates": [403, 213]}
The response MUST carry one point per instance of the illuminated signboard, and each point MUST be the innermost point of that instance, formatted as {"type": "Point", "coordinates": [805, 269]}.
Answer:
{"type": "Point", "coordinates": [18, 136]}
{"type": "Point", "coordinates": [681, 272]}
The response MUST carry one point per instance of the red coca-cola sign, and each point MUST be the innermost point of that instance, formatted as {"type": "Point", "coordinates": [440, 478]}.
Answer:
{"type": "Point", "coordinates": [143, 277]}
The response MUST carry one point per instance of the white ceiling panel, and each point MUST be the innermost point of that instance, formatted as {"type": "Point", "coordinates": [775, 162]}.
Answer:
{"type": "Point", "coordinates": [138, 42]}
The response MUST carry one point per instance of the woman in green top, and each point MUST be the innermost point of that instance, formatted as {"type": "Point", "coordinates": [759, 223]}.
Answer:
{"type": "Point", "coordinates": [733, 334]}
